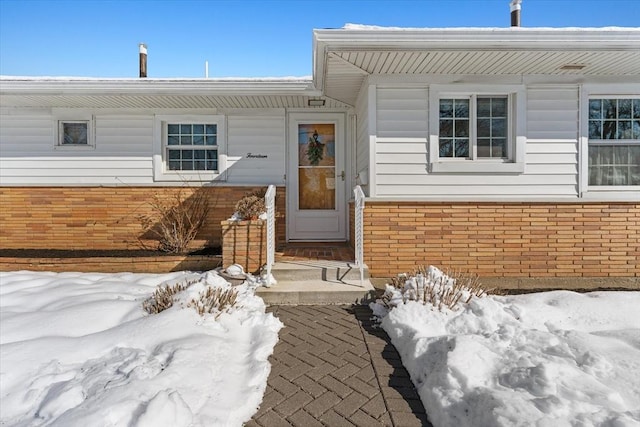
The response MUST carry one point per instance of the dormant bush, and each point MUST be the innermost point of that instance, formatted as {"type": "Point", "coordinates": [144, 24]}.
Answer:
{"type": "Point", "coordinates": [211, 300]}
{"type": "Point", "coordinates": [176, 219]}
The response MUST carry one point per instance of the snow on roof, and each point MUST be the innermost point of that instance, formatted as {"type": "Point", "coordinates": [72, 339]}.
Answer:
{"type": "Point", "coordinates": [362, 27]}
{"type": "Point", "coordinates": [292, 79]}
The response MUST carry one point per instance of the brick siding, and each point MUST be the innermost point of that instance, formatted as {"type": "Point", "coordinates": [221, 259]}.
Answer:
{"type": "Point", "coordinates": [149, 264]}
{"type": "Point", "coordinates": [504, 239]}
{"type": "Point", "coordinates": [105, 217]}
{"type": "Point", "coordinates": [244, 243]}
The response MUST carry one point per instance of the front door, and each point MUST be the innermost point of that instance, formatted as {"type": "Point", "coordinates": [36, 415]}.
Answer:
{"type": "Point", "coordinates": [316, 178]}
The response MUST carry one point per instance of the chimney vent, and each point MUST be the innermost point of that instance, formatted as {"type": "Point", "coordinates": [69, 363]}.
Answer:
{"type": "Point", "coordinates": [143, 60]}
{"type": "Point", "coordinates": [515, 7]}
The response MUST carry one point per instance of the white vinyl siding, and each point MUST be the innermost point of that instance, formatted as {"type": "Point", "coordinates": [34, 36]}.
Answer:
{"type": "Point", "coordinates": [402, 115]}
{"type": "Point", "coordinates": [550, 168]}
{"type": "Point", "coordinates": [28, 155]}
{"type": "Point", "coordinates": [362, 134]}
{"type": "Point", "coordinates": [552, 138]}
{"type": "Point", "coordinates": [259, 136]}
{"type": "Point", "coordinates": [124, 149]}
{"type": "Point", "coordinates": [401, 144]}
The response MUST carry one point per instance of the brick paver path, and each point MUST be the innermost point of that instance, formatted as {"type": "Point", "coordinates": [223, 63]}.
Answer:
{"type": "Point", "coordinates": [332, 367]}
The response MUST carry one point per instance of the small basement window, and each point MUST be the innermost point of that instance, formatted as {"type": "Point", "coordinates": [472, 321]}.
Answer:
{"type": "Point", "coordinates": [75, 134]}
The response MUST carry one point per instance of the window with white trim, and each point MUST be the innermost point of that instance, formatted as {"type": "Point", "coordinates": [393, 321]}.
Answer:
{"type": "Point", "coordinates": [477, 130]}
{"type": "Point", "coordinates": [614, 141]}
{"type": "Point", "coordinates": [74, 134]}
{"type": "Point", "coordinates": [474, 127]}
{"type": "Point", "coordinates": [189, 147]}
{"type": "Point", "coordinates": [192, 147]}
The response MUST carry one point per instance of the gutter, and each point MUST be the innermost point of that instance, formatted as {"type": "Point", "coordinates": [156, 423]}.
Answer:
{"type": "Point", "coordinates": [204, 87]}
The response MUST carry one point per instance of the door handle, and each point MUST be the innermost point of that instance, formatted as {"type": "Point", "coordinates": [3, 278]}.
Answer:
{"type": "Point", "coordinates": [342, 175]}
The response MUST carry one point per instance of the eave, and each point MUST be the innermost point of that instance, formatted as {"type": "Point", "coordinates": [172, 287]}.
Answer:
{"type": "Point", "coordinates": [345, 57]}
{"type": "Point", "coordinates": [158, 93]}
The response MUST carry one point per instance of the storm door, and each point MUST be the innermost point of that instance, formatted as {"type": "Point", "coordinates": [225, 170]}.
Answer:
{"type": "Point", "coordinates": [316, 178]}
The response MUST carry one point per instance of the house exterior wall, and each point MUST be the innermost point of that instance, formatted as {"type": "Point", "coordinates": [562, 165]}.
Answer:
{"type": "Point", "coordinates": [122, 155]}
{"type": "Point", "coordinates": [529, 224]}
{"type": "Point", "coordinates": [125, 147]}
{"type": "Point", "coordinates": [504, 239]}
{"type": "Point", "coordinates": [107, 217]}
{"type": "Point", "coordinates": [551, 159]}
{"type": "Point", "coordinates": [256, 135]}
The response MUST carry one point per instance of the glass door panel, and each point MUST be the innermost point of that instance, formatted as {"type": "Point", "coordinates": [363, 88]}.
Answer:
{"type": "Point", "coordinates": [316, 166]}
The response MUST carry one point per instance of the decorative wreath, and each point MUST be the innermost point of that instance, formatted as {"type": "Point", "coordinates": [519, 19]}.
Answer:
{"type": "Point", "coordinates": [315, 149]}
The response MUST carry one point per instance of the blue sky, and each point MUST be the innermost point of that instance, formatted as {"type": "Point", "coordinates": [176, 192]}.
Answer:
{"type": "Point", "coordinates": [239, 38]}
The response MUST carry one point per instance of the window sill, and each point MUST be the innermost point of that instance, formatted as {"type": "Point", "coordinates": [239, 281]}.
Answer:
{"type": "Point", "coordinates": [188, 176]}
{"type": "Point", "coordinates": [613, 193]}
{"type": "Point", "coordinates": [71, 147]}
{"type": "Point", "coordinates": [477, 167]}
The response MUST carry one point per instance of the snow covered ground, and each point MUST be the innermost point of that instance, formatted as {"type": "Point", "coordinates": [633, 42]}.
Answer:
{"type": "Point", "coordinates": [547, 359]}
{"type": "Point", "coordinates": [78, 350]}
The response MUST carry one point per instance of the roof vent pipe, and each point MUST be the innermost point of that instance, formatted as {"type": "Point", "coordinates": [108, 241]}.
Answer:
{"type": "Point", "coordinates": [143, 60]}
{"type": "Point", "coordinates": [515, 7]}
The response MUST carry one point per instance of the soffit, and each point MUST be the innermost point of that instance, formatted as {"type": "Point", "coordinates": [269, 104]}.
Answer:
{"type": "Point", "coordinates": [345, 70]}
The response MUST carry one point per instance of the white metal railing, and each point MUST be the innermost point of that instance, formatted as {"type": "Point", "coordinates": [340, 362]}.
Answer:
{"type": "Point", "coordinates": [270, 204]}
{"type": "Point", "coordinates": [358, 208]}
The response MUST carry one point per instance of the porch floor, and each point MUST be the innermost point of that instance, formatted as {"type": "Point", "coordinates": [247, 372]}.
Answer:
{"type": "Point", "coordinates": [315, 251]}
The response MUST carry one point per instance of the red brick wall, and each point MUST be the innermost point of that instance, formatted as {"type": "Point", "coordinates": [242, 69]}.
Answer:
{"type": "Point", "coordinates": [104, 217]}
{"type": "Point", "coordinates": [504, 239]}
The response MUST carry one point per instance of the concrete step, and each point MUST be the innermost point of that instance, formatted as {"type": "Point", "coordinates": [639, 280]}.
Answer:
{"type": "Point", "coordinates": [301, 292]}
{"type": "Point", "coordinates": [291, 271]}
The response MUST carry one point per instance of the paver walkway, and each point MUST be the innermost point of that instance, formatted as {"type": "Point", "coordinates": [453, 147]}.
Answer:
{"type": "Point", "coordinates": [332, 367]}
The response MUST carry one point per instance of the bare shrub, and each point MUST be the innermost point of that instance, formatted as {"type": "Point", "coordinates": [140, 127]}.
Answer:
{"type": "Point", "coordinates": [215, 301]}
{"type": "Point", "coordinates": [176, 219]}
{"type": "Point", "coordinates": [251, 205]}
{"type": "Point", "coordinates": [163, 296]}
{"type": "Point", "coordinates": [438, 290]}
{"type": "Point", "coordinates": [210, 301]}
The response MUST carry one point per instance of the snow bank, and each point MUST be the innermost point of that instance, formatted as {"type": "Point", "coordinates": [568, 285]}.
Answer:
{"type": "Point", "coordinates": [548, 359]}
{"type": "Point", "coordinates": [79, 350]}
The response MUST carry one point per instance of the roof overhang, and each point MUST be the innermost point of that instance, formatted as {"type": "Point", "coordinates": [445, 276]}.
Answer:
{"type": "Point", "coordinates": [345, 57]}
{"type": "Point", "coordinates": [69, 92]}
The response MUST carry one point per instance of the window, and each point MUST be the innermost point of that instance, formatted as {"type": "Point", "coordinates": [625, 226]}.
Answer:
{"type": "Point", "coordinates": [473, 127]}
{"type": "Point", "coordinates": [189, 147]}
{"type": "Point", "coordinates": [73, 133]}
{"type": "Point", "coordinates": [192, 147]}
{"type": "Point", "coordinates": [614, 141]}
{"type": "Point", "coordinates": [475, 131]}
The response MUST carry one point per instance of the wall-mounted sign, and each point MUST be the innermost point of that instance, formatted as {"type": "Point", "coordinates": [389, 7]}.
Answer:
{"type": "Point", "coordinates": [256, 156]}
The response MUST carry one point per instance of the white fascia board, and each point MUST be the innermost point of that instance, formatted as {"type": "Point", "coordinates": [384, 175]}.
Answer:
{"type": "Point", "coordinates": [481, 38]}
{"type": "Point", "coordinates": [156, 87]}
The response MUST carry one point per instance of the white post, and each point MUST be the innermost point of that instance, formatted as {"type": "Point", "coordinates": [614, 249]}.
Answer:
{"type": "Point", "coordinates": [270, 204]}
{"type": "Point", "coordinates": [358, 213]}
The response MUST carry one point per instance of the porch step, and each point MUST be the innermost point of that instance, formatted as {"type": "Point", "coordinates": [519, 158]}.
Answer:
{"type": "Point", "coordinates": [286, 271]}
{"type": "Point", "coordinates": [317, 282]}
{"type": "Point", "coordinates": [316, 292]}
